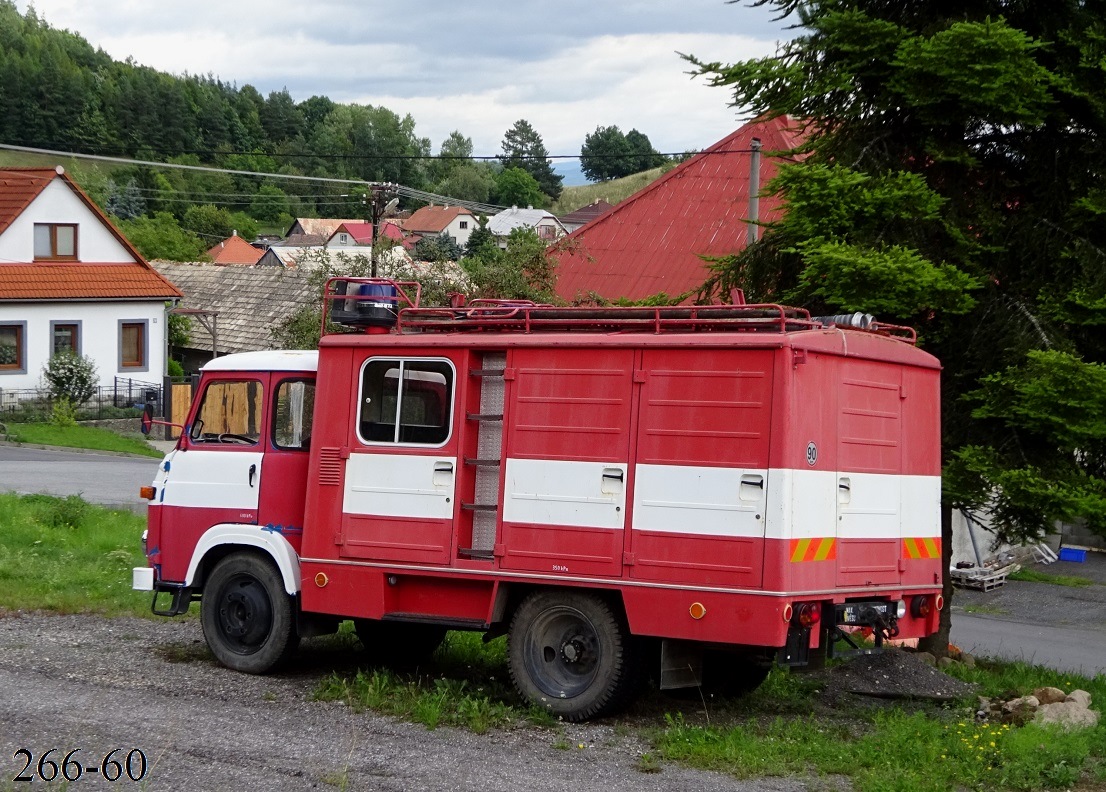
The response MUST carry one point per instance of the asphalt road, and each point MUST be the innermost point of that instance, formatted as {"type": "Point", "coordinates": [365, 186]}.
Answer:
{"type": "Point", "coordinates": [1064, 648]}
{"type": "Point", "coordinates": [98, 478]}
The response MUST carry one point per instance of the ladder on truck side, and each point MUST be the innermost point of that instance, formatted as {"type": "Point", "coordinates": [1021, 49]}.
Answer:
{"type": "Point", "coordinates": [488, 462]}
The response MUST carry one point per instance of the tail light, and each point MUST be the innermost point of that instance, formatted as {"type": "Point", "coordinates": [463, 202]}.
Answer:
{"type": "Point", "coordinates": [924, 604]}
{"type": "Point", "coordinates": [808, 614]}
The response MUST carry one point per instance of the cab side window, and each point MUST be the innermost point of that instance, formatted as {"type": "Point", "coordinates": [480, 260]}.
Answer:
{"type": "Point", "coordinates": [293, 410]}
{"type": "Point", "coordinates": [229, 413]}
{"type": "Point", "coordinates": [406, 401]}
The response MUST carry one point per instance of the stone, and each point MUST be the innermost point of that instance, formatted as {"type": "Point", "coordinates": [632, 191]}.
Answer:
{"type": "Point", "coordinates": [926, 658]}
{"type": "Point", "coordinates": [1020, 711]}
{"type": "Point", "coordinates": [1068, 715]}
{"type": "Point", "coordinates": [944, 662]}
{"type": "Point", "coordinates": [968, 660]}
{"type": "Point", "coordinates": [1050, 695]}
{"type": "Point", "coordinates": [1080, 696]}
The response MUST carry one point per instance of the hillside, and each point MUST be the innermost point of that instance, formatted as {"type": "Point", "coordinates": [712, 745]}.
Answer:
{"type": "Point", "coordinates": [613, 191]}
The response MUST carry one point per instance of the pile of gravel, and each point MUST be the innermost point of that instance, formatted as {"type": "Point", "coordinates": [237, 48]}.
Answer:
{"type": "Point", "coordinates": [895, 674]}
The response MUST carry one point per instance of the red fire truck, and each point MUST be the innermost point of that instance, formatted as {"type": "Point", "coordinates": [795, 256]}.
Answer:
{"type": "Point", "coordinates": [727, 484]}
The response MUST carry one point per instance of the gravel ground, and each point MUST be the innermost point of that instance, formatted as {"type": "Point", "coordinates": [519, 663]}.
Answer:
{"type": "Point", "coordinates": [1046, 603]}
{"type": "Point", "coordinates": [98, 684]}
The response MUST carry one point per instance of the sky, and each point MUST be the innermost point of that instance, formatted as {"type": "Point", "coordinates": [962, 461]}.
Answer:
{"type": "Point", "coordinates": [477, 67]}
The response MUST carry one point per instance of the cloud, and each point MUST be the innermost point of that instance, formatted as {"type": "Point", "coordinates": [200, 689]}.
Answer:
{"type": "Point", "coordinates": [474, 67]}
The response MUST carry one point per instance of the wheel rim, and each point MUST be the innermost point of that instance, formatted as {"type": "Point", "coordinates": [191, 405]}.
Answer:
{"type": "Point", "coordinates": [562, 652]}
{"type": "Point", "coordinates": [245, 614]}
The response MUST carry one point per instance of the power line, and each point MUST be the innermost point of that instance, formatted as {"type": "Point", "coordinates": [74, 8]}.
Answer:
{"type": "Point", "coordinates": [475, 206]}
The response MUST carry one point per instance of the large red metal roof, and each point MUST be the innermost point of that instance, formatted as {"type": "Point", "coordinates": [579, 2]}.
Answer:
{"type": "Point", "coordinates": [656, 239]}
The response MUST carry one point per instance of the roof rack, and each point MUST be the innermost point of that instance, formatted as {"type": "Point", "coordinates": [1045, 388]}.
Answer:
{"type": "Point", "coordinates": [376, 305]}
{"type": "Point", "coordinates": [527, 317]}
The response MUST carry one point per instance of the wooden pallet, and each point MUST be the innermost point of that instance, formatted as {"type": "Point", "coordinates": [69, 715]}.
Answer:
{"type": "Point", "coordinates": [981, 578]}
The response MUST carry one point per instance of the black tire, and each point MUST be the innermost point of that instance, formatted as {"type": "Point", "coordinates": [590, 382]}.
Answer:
{"type": "Point", "coordinates": [734, 673]}
{"type": "Point", "coordinates": [247, 618]}
{"type": "Point", "coordinates": [569, 653]}
{"type": "Point", "coordinates": [398, 644]}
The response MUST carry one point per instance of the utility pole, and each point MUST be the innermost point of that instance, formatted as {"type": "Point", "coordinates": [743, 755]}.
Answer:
{"type": "Point", "coordinates": [381, 202]}
{"type": "Point", "coordinates": [754, 191]}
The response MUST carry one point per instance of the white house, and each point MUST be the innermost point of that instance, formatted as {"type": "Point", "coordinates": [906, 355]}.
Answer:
{"type": "Point", "coordinates": [456, 221]}
{"type": "Point", "coordinates": [547, 226]}
{"type": "Point", "coordinates": [69, 281]}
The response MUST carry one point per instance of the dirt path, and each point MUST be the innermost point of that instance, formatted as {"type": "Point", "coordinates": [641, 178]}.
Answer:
{"type": "Point", "coordinates": [98, 684]}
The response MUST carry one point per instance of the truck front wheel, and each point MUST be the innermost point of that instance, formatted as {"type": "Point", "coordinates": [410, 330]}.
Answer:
{"type": "Point", "coordinates": [568, 653]}
{"type": "Point", "coordinates": [246, 616]}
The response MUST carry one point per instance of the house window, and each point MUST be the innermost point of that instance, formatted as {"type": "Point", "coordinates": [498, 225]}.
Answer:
{"type": "Point", "coordinates": [547, 232]}
{"type": "Point", "coordinates": [464, 224]}
{"type": "Point", "coordinates": [12, 351]}
{"type": "Point", "coordinates": [406, 401]}
{"type": "Point", "coordinates": [65, 338]}
{"type": "Point", "coordinates": [55, 242]}
{"type": "Point", "coordinates": [133, 346]}
{"type": "Point", "coordinates": [343, 238]}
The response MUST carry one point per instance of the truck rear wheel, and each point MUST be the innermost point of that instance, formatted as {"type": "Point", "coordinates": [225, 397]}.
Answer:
{"type": "Point", "coordinates": [246, 615]}
{"type": "Point", "coordinates": [568, 653]}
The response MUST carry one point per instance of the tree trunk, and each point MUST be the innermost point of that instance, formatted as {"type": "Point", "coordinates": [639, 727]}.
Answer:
{"type": "Point", "coordinates": [938, 643]}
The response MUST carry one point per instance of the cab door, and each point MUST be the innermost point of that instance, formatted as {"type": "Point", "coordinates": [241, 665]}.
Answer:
{"type": "Point", "coordinates": [284, 482]}
{"type": "Point", "coordinates": [400, 478]}
{"type": "Point", "coordinates": [215, 475]}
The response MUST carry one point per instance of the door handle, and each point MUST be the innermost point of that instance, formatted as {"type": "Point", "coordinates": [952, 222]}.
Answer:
{"type": "Point", "coordinates": [253, 473]}
{"type": "Point", "coordinates": [443, 467]}
{"type": "Point", "coordinates": [613, 474]}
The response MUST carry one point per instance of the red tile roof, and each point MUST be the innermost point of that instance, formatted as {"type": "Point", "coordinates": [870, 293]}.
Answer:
{"type": "Point", "coordinates": [654, 240]}
{"type": "Point", "coordinates": [70, 280]}
{"type": "Point", "coordinates": [362, 233]}
{"type": "Point", "coordinates": [235, 251]}
{"type": "Point", "coordinates": [18, 187]}
{"type": "Point", "coordinates": [433, 219]}
{"type": "Point", "coordinates": [82, 281]}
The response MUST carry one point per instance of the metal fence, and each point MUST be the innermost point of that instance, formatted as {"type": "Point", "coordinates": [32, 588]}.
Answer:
{"type": "Point", "coordinates": [124, 398]}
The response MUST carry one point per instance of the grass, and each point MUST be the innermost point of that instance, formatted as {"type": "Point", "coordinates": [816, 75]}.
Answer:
{"type": "Point", "coordinates": [613, 191]}
{"type": "Point", "coordinates": [897, 747]}
{"type": "Point", "coordinates": [465, 684]}
{"type": "Point", "coordinates": [1036, 576]}
{"type": "Point", "coordinates": [67, 556]}
{"type": "Point", "coordinates": [89, 437]}
{"type": "Point", "coordinates": [987, 609]}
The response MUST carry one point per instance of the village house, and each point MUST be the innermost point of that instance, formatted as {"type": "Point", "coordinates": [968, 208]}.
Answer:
{"type": "Point", "coordinates": [71, 282]}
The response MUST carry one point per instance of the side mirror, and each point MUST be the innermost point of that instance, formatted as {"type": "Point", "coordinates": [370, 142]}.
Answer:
{"type": "Point", "coordinates": [147, 418]}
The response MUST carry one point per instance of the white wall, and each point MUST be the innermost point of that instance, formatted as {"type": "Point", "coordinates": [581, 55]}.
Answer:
{"type": "Point", "coordinates": [461, 235]}
{"type": "Point", "coordinates": [99, 337]}
{"type": "Point", "coordinates": [59, 204]}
